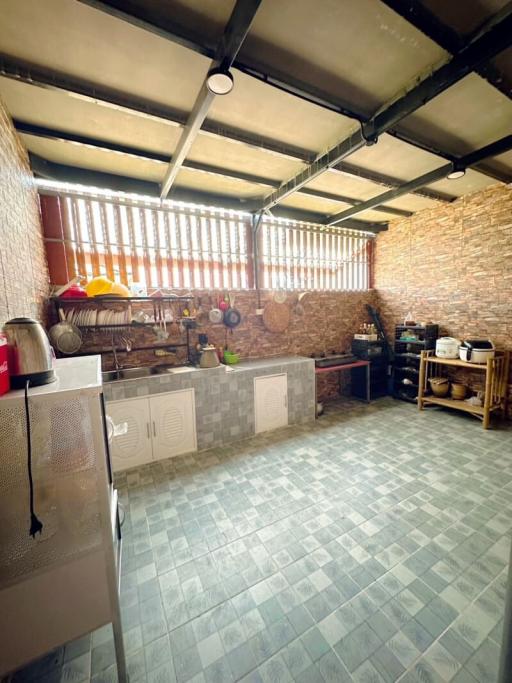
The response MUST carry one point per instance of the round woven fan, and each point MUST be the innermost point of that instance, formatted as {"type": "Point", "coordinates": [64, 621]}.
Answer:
{"type": "Point", "coordinates": [276, 317]}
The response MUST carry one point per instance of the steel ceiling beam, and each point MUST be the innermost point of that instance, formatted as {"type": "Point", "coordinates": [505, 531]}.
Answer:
{"type": "Point", "coordinates": [494, 37]}
{"type": "Point", "coordinates": [415, 13]}
{"type": "Point", "coordinates": [491, 40]}
{"type": "Point", "coordinates": [388, 181]}
{"type": "Point", "coordinates": [149, 19]}
{"type": "Point", "coordinates": [485, 169]}
{"type": "Point", "coordinates": [71, 174]}
{"type": "Point", "coordinates": [425, 179]}
{"type": "Point", "coordinates": [498, 147]}
{"type": "Point", "coordinates": [71, 86]}
{"type": "Point", "coordinates": [53, 134]}
{"type": "Point", "coordinates": [232, 39]}
{"type": "Point", "coordinates": [494, 149]}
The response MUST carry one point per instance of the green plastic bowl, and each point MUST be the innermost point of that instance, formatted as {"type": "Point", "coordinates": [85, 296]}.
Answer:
{"type": "Point", "coordinates": [231, 358]}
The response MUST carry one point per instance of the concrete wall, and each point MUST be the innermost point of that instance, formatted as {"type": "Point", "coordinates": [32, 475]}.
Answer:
{"type": "Point", "coordinates": [23, 271]}
{"type": "Point", "coordinates": [224, 401]}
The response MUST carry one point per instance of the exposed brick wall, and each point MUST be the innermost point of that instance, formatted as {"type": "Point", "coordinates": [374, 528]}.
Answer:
{"type": "Point", "coordinates": [451, 265]}
{"type": "Point", "coordinates": [23, 272]}
{"type": "Point", "coordinates": [329, 322]}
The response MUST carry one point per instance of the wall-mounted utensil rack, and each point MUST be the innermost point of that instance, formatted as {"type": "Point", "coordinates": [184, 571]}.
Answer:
{"type": "Point", "coordinates": [108, 302]}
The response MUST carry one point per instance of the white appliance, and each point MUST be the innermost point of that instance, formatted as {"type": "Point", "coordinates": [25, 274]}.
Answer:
{"type": "Point", "coordinates": [62, 581]}
{"type": "Point", "coordinates": [476, 350]}
{"type": "Point", "coordinates": [447, 347]}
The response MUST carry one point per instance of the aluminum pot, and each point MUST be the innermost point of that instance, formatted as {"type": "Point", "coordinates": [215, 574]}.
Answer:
{"type": "Point", "coordinates": [209, 357]}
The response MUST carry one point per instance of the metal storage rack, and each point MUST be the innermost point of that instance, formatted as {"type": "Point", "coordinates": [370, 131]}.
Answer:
{"type": "Point", "coordinates": [157, 303]}
{"type": "Point", "coordinates": [407, 357]}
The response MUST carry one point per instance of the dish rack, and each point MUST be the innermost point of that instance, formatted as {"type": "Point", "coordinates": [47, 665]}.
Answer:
{"type": "Point", "coordinates": [113, 316]}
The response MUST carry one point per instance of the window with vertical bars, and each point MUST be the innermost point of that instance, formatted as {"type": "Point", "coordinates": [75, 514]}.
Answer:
{"type": "Point", "coordinates": [171, 245]}
{"type": "Point", "coordinates": [294, 257]}
{"type": "Point", "coordinates": [158, 247]}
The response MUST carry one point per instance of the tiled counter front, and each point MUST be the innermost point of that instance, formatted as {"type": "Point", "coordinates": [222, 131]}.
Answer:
{"type": "Point", "coordinates": [224, 399]}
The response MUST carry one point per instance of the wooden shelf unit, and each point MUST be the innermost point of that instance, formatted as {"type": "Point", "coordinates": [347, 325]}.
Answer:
{"type": "Point", "coordinates": [496, 373]}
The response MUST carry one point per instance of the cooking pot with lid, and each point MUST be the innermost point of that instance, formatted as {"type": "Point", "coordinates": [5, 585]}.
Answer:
{"type": "Point", "coordinates": [209, 357]}
{"type": "Point", "coordinates": [447, 347]}
{"type": "Point", "coordinates": [476, 350]}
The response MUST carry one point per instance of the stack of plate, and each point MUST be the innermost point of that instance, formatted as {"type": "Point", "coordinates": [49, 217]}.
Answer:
{"type": "Point", "coordinates": [84, 317]}
{"type": "Point", "coordinates": [107, 317]}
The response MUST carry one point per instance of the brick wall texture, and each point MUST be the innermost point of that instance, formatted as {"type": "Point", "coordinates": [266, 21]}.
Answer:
{"type": "Point", "coordinates": [329, 322]}
{"type": "Point", "coordinates": [23, 272]}
{"type": "Point", "coordinates": [451, 265]}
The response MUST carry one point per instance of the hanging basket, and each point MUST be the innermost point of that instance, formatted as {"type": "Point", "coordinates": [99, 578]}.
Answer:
{"type": "Point", "coordinates": [276, 317]}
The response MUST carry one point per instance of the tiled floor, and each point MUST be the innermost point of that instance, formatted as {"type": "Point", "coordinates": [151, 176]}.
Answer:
{"type": "Point", "coordinates": [369, 547]}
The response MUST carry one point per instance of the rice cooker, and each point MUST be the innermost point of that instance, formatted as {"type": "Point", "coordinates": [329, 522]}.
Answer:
{"type": "Point", "coordinates": [476, 350]}
{"type": "Point", "coordinates": [447, 347]}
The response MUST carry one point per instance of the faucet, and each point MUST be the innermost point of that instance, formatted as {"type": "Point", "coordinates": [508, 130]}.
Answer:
{"type": "Point", "coordinates": [117, 366]}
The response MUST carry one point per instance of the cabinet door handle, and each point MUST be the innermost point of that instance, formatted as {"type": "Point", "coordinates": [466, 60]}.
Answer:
{"type": "Point", "coordinates": [147, 428]}
{"type": "Point", "coordinates": [154, 428]}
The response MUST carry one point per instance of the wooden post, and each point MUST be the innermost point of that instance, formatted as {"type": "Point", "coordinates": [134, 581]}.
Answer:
{"type": "Point", "coordinates": [421, 380]}
{"type": "Point", "coordinates": [488, 391]}
{"type": "Point", "coordinates": [506, 374]}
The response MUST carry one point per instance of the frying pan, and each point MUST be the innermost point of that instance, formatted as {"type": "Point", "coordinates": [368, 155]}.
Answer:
{"type": "Point", "coordinates": [215, 315]}
{"type": "Point", "coordinates": [232, 318]}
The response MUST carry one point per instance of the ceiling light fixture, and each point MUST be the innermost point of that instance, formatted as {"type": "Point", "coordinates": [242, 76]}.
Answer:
{"type": "Point", "coordinates": [457, 172]}
{"type": "Point", "coordinates": [219, 81]}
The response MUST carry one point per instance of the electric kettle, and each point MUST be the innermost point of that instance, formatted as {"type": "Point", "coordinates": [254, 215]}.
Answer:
{"type": "Point", "coordinates": [29, 352]}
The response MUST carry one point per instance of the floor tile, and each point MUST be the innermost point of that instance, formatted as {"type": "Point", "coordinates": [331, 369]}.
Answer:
{"type": "Point", "coordinates": [354, 546]}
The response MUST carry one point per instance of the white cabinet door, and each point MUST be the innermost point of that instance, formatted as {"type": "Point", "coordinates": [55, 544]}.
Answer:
{"type": "Point", "coordinates": [134, 447]}
{"type": "Point", "coordinates": [270, 402]}
{"type": "Point", "coordinates": [173, 423]}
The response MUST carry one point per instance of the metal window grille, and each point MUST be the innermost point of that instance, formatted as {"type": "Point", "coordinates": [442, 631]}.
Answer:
{"type": "Point", "coordinates": [302, 258]}
{"type": "Point", "coordinates": [158, 247]}
{"type": "Point", "coordinates": [173, 245]}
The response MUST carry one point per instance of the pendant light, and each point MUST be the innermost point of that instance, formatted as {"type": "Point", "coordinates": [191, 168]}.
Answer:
{"type": "Point", "coordinates": [457, 172]}
{"type": "Point", "coordinates": [219, 81]}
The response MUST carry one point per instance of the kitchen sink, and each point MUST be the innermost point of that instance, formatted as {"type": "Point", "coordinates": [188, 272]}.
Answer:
{"type": "Point", "coordinates": [136, 373]}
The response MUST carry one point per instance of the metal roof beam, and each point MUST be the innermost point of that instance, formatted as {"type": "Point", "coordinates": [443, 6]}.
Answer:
{"type": "Point", "coordinates": [491, 40]}
{"type": "Point", "coordinates": [232, 39]}
{"type": "Point", "coordinates": [497, 147]}
{"type": "Point", "coordinates": [388, 181]}
{"type": "Point", "coordinates": [37, 76]}
{"type": "Point", "coordinates": [145, 17]}
{"type": "Point", "coordinates": [425, 179]}
{"type": "Point", "coordinates": [485, 169]}
{"type": "Point", "coordinates": [47, 133]}
{"type": "Point", "coordinates": [149, 19]}
{"type": "Point", "coordinates": [430, 25]}
{"type": "Point", "coordinates": [110, 181]}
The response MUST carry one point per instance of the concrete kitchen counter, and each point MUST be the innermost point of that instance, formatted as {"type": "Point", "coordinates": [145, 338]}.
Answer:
{"type": "Point", "coordinates": [224, 396]}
